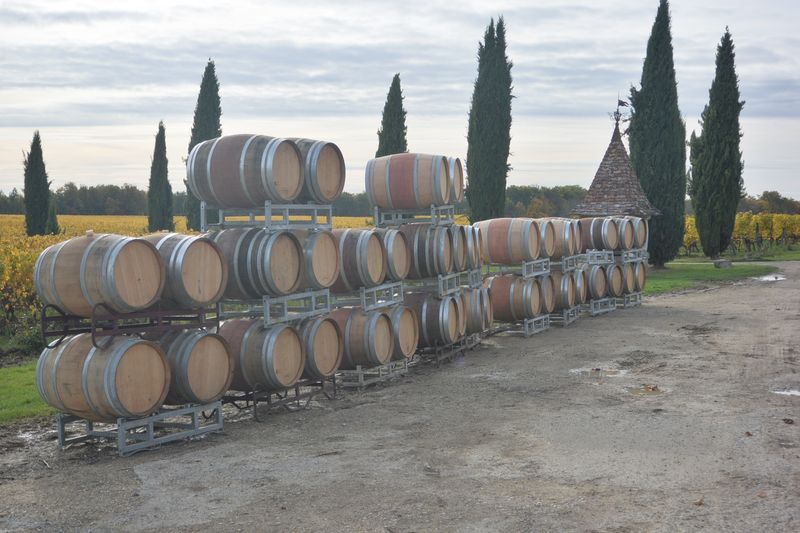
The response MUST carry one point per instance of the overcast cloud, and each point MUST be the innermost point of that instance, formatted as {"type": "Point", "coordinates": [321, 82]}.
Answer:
{"type": "Point", "coordinates": [95, 81]}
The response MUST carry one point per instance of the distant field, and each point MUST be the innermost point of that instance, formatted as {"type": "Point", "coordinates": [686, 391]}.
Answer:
{"type": "Point", "coordinates": [681, 276]}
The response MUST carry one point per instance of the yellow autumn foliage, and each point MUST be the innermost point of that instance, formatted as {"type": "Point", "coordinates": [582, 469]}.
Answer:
{"type": "Point", "coordinates": [772, 227]}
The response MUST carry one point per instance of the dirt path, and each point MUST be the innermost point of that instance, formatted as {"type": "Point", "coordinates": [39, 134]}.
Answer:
{"type": "Point", "coordinates": [512, 437]}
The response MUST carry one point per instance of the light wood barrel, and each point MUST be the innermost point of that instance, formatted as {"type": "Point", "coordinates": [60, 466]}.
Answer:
{"type": "Point", "coordinates": [320, 258]}
{"type": "Point", "coordinates": [473, 239]}
{"type": "Point", "coordinates": [124, 273]}
{"type": "Point", "coordinates": [128, 379]}
{"type": "Point", "coordinates": [627, 235]}
{"type": "Point", "coordinates": [475, 312]}
{"type": "Point", "coordinates": [597, 282]}
{"type": "Point", "coordinates": [405, 330]}
{"type": "Point", "coordinates": [408, 181]}
{"type": "Point", "coordinates": [639, 231]}
{"type": "Point", "coordinates": [260, 263]}
{"type": "Point", "coordinates": [616, 280]}
{"type": "Point", "coordinates": [514, 298]}
{"type": "Point", "coordinates": [458, 239]}
{"type": "Point", "coordinates": [456, 179]}
{"type": "Point", "coordinates": [628, 277]}
{"type": "Point", "coordinates": [599, 233]}
{"type": "Point", "coordinates": [201, 366]}
{"type": "Point", "coordinates": [398, 253]}
{"type": "Point", "coordinates": [566, 294]}
{"type": "Point", "coordinates": [547, 293]}
{"type": "Point", "coordinates": [578, 230]}
{"type": "Point", "coordinates": [431, 250]}
{"type": "Point", "coordinates": [509, 241]}
{"type": "Point", "coordinates": [581, 286]}
{"type": "Point", "coordinates": [324, 344]}
{"type": "Point", "coordinates": [265, 359]}
{"type": "Point", "coordinates": [641, 275]}
{"type": "Point", "coordinates": [323, 171]}
{"type": "Point", "coordinates": [368, 338]}
{"type": "Point", "coordinates": [488, 309]}
{"type": "Point", "coordinates": [461, 307]}
{"type": "Point", "coordinates": [438, 318]}
{"type": "Point", "coordinates": [245, 171]}
{"type": "Point", "coordinates": [196, 270]}
{"type": "Point", "coordinates": [565, 238]}
{"type": "Point", "coordinates": [362, 259]}
{"type": "Point", "coordinates": [547, 237]}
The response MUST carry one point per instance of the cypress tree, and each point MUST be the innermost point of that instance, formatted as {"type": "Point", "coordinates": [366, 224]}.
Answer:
{"type": "Point", "coordinates": [206, 125]}
{"type": "Point", "coordinates": [37, 189]}
{"type": "Point", "coordinates": [51, 226]}
{"type": "Point", "coordinates": [657, 138]}
{"type": "Point", "coordinates": [159, 191]}
{"type": "Point", "coordinates": [716, 184]}
{"type": "Point", "coordinates": [489, 130]}
{"type": "Point", "coordinates": [392, 135]}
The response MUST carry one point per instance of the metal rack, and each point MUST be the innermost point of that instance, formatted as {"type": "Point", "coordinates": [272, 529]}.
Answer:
{"type": "Point", "coordinates": [279, 309]}
{"type": "Point", "coordinates": [633, 299]}
{"type": "Point", "coordinates": [439, 354]}
{"type": "Point", "coordinates": [361, 377]}
{"type": "Point", "coordinates": [526, 269]}
{"type": "Point", "coordinates": [438, 215]}
{"type": "Point", "coordinates": [527, 327]}
{"type": "Point", "coordinates": [378, 297]}
{"type": "Point", "coordinates": [599, 257]}
{"type": "Point", "coordinates": [295, 398]}
{"type": "Point", "coordinates": [632, 256]}
{"type": "Point", "coordinates": [105, 323]}
{"type": "Point", "coordinates": [569, 263]}
{"type": "Point", "coordinates": [443, 284]}
{"type": "Point", "coordinates": [600, 307]}
{"type": "Point", "coordinates": [272, 217]}
{"type": "Point", "coordinates": [565, 317]}
{"type": "Point", "coordinates": [135, 435]}
{"type": "Point", "coordinates": [472, 279]}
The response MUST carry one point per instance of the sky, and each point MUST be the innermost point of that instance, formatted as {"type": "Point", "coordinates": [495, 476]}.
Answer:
{"type": "Point", "coordinates": [95, 77]}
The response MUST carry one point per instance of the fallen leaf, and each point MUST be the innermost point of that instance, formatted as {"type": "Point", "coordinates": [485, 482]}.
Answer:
{"type": "Point", "coordinates": [762, 494]}
{"type": "Point", "coordinates": [748, 433]}
{"type": "Point", "coordinates": [700, 502]}
{"type": "Point", "coordinates": [788, 420]}
{"type": "Point", "coordinates": [650, 388]}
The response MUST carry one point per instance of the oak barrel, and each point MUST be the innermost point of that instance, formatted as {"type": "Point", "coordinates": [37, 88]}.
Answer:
{"type": "Point", "coordinates": [128, 379]}
{"type": "Point", "coordinates": [265, 358]}
{"type": "Point", "coordinates": [260, 263]}
{"type": "Point", "coordinates": [514, 298]}
{"type": "Point", "coordinates": [488, 309]}
{"type": "Point", "coordinates": [320, 258]}
{"type": "Point", "coordinates": [628, 277]}
{"type": "Point", "coordinates": [124, 273]}
{"type": "Point", "coordinates": [547, 237]}
{"type": "Point", "coordinates": [566, 294]}
{"type": "Point", "coordinates": [431, 250]}
{"type": "Point", "coordinates": [398, 253]}
{"type": "Point", "coordinates": [599, 234]}
{"type": "Point", "coordinates": [324, 345]}
{"type": "Point", "coordinates": [405, 330]}
{"type": "Point", "coordinates": [581, 286]}
{"type": "Point", "coordinates": [547, 293]}
{"type": "Point", "coordinates": [438, 318]}
{"type": "Point", "coordinates": [408, 181]}
{"type": "Point", "coordinates": [323, 170]}
{"type": "Point", "coordinates": [201, 366]}
{"type": "Point", "coordinates": [476, 314]}
{"type": "Point", "coordinates": [509, 241]}
{"type": "Point", "coordinates": [639, 231]}
{"type": "Point", "coordinates": [616, 281]}
{"type": "Point", "coordinates": [196, 270]}
{"type": "Point", "coordinates": [641, 275]}
{"type": "Point", "coordinates": [565, 238]}
{"type": "Point", "coordinates": [368, 337]}
{"type": "Point", "coordinates": [473, 238]}
{"type": "Point", "coordinates": [597, 282]}
{"type": "Point", "coordinates": [362, 259]}
{"type": "Point", "coordinates": [245, 171]}
{"type": "Point", "coordinates": [458, 239]}
{"type": "Point", "coordinates": [626, 232]}
{"type": "Point", "coordinates": [456, 171]}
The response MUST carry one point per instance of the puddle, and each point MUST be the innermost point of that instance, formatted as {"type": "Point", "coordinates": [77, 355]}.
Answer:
{"type": "Point", "coordinates": [787, 392]}
{"type": "Point", "coordinates": [599, 372]}
{"type": "Point", "coordinates": [771, 277]}
{"type": "Point", "coordinates": [645, 390]}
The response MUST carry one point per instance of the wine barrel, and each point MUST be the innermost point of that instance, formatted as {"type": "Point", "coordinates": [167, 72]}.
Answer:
{"type": "Point", "coordinates": [565, 239]}
{"type": "Point", "coordinates": [616, 282]}
{"type": "Point", "coordinates": [245, 171]}
{"type": "Point", "coordinates": [438, 318]}
{"type": "Point", "coordinates": [362, 259]}
{"type": "Point", "coordinates": [458, 239]}
{"type": "Point", "coordinates": [509, 241]}
{"type": "Point", "coordinates": [201, 366]}
{"type": "Point", "coordinates": [578, 230]}
{"type": "Point", "coordinates": [628, 277]}
{"type": "Point", "coordinates": [597, 282]}
{"type": "Point", "coordinates": [323, 171]}
{"type": "Point", "coordinates": [547, 237]}
{"type": "Point", "coordinates": [196, 270]}
{"type": "Point", "coordinates": [320, 258]}
{"type": "Point", "coordinates": [475, 312]}
{"type": "Point", "coordinates": [566, 294]}
{"type": "Point", "coordinates": [123, 273]}
{"type": "Point", "coordinates": [488, 309]}
{"type": "Point", "coordinates": [398, 253]}
{"type": "Point", "coordinates": [626, 232]}
{"type": "Point", "coordinates": [514, 298]}
{"type": "Point", "coordinates": [473, 239]}
{"type": "Point", "coordinates": [547, 293]}
{"type": "Point", "coordinates": [599, 234]}
{"type": "Point", "coordinates": [431, 250]}
{"type": "Point", "coordinates": [324, 344]}
{"type": "Point", "coordinates": [408, 181]}
{"type": "Point", "coordinates": [581, 286]}
{"type": "Point", "coordinates": [461, 307]}
{"type": "Point", "coordinates": [368, 338]}
{"type": "Point", "coordinates": [405, 330]}
{"type": "Point", "coordinates": [128, 379]}
{"type": "Point", "coordinates": [641, 275]}
{"type": "Point", "coordinates": [265, 358]}
{"type": "Point", "coordinates": [260, 263]}
{"type": "Point", "coordinates": [456, 171]}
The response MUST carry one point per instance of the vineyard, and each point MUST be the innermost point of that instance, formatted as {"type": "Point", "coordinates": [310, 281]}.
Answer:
{"type": "Point", "coordinates": [751, 232]}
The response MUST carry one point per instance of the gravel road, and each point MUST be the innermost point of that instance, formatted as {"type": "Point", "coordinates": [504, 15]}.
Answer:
{"type": "Point", "coordinates": [679, 429]}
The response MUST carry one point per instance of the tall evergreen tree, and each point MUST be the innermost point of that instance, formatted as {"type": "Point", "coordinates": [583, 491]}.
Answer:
{"type": "Point", "coordinates": [159, 191]}
{"type": "Point", "coordinates": [37, 189]}
{"type": "Point", "coordinates": [489, 130]}
{"type": "Point", "coordinates": [392, 135]}
{"type": "Point", "coordinates": [206, 125]}
{"type": "Point", "coordinates": [657, 137]}
{"type": "Point", "coordinates": [716, 184]}
{"type": "Point", "coordinates": [51, 226]}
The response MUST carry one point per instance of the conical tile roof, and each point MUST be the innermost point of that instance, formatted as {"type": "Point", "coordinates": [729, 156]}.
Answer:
{"type": "Point", "coordinates": [616, 189]}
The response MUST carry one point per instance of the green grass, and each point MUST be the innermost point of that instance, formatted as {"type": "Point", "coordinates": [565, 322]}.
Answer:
{"type": "Point", "coordinates": [769, 253]}
{"type": "Point", "coordinates": [18, 395]}
{"type": "Point", "coordinates": [680, 275]}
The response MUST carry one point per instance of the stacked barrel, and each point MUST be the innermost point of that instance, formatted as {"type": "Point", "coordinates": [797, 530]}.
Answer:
{"type": "Point", "coordinates": [272, 260]}
{"type": "Point", "coordinates": [106, 276]}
